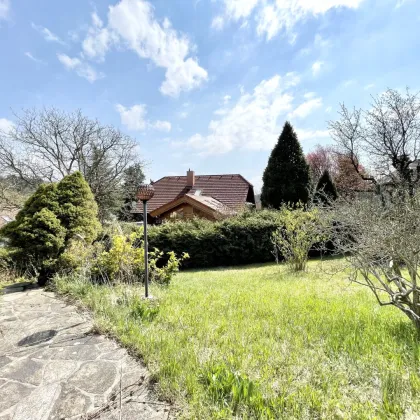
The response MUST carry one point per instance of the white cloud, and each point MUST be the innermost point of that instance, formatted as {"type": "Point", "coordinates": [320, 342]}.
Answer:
{"type": "Point", "coordinates": [316, 67]}
{"type": "Point", "coordinates": [33, 58]}
{"type": "Point", "coordinates": [349, 83]}
{"type": "Point", "coordinates": [400, 3]}
{"type": "Point", "coordinates": [217, 23]}
{"type": "Point", "coordinates": [4, 9]}
{"type": "Point", "coordinates": [273, 16]}
{"type": "Point", "coordinates": [328, 109]}
{"type": "Point", "coordinates": [132, 24]}
{"type": "Point", "coordinates": [5, 125]}
{"type": "Point", "coordinates": [369, 86]}
{"type": "Point", "coordinates": [305, 135]}
{"type": "Point", "coordinates": [185, 110]}
{"type": "Point", "coordinates": [81, 68]}
{"type": "Point", "coordinates": [226, 99]}
{"type": "Point", "coordinates": [306, 108]}
{"type": "Point", "coordinates": [134, 119]}
{"type": "Point", "coordinates": [279, 15]}
{"type": "Point", "coordinates": [238, 9]}
{"type": "Point", "coordinates": [320, 42]}
{"type": "Point", "coordinates": [47, 34]}
{"type": "Point", "coordinates": [98, 39]}
{"type": "Point", "coordinates": [161, 125]}
{"type": "Point", "coordinates": [252, 123]}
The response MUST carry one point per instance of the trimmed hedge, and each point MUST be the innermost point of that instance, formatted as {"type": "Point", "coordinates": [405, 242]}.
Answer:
{"type": "Point", "coordinates": [243, 239]}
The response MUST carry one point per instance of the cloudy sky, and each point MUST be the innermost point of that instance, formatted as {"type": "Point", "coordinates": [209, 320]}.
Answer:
{"type": "Point", "coordinates": [206, 84]}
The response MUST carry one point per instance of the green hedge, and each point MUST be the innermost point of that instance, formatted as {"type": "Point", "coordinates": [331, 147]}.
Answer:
{"type": "Point", "coordinates": [243, 239]}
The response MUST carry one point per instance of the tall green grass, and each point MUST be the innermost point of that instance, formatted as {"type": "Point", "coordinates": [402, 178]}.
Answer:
{"type": "Point", "coordinates": [260, 342]}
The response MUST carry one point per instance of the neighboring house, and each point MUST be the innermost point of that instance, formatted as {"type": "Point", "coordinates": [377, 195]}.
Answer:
{"type": "Point", "coordinates": [207, 196]}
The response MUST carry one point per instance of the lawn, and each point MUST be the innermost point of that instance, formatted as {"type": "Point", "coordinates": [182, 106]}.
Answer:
{"type": "Point", "coordinates": [261, 342]}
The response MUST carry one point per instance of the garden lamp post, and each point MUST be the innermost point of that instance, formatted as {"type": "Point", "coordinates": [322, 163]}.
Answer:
{"type": "Point", "coordinates": [145, 193]}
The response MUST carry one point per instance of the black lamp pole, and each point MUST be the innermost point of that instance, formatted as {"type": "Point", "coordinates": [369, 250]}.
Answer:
{"type": "Point", "coordinates": [146, 251]}
{"type": "Point", "coordinates": [145, 193]}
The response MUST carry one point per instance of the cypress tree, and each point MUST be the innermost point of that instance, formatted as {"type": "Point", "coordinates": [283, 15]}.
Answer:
{"type": "Point", "coordinates": [325, 190]}
{"type": "Point", "coordinates": [286, 178]}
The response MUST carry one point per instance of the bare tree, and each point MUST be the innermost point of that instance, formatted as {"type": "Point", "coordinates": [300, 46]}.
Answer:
{"type": "Point", "coordinates": [48, 144]}
{"type": "Point", "coordinates": [321, 159]}
{"type": "Point", "coordinates": [382, 245]}
{"type": "Point", "coordinates": [388, 135]}
{"type": "Point", "coordinates": [13, 193]}
{"type": "Point", "coordinates": [10, 198]}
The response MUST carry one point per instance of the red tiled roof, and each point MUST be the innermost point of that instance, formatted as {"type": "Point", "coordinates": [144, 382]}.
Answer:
{"type": "Point", "coordinates": [230, 190]}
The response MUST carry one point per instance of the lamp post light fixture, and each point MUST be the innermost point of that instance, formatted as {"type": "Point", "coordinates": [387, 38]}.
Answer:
{"type": "Point", "coordinates": [145, 193]}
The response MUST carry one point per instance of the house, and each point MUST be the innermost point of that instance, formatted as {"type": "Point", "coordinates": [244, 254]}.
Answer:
{"type": "Point", "coordinates": [207, 196]}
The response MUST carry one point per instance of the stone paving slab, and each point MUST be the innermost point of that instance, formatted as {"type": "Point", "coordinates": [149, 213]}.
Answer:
{"type": "Point", "coordinates": [52, 367]}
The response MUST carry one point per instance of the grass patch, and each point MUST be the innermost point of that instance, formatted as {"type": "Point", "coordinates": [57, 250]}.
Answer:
{"type": "Point", "coordinates": [260, 342]}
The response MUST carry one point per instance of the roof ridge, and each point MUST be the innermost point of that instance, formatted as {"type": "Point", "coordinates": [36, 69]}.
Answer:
{"type": "Point", "coordinates": [205, 175]}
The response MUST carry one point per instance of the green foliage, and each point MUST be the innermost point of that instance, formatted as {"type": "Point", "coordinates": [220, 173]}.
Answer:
{"type": "Point", "coordinates": [43, 234]}
{"type": "Point", "coordinates": [77, 256]}
{"type": "Point", "coordinates": [6, 258]}
{"type": "Point", "coordinates": [243, 239]}
{"type": "Point", "coordinates": [38, 240]}
{"type": "Point", "coordinates": [78, 209]}
{"type": "Point", "coordinates": [326, 192]}
{"type": "Point", "coordinates": [45, 197]}
{"type": "Point", "coordinates": [104, 183]}
{"type": "Point", "coordinates": [226, 386]}
{"type": "Point", "coordinates": [133, 177]}
{"type": "Point", "coordinates": [50, 219]}
{"type": "Point", "coordinates": [286, 178]}
{"type": "Point", "coordinates": [300, 231]}
{"type": "Point", "coordinates": [163, 275]}
{"type": "Point", "coordinates": [124, 262]}
{"type": "Point", "coordinates": [142, 310]}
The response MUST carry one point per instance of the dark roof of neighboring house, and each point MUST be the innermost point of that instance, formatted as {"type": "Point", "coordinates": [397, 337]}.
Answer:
{"type": "Point", "coordinates": [232, 191]}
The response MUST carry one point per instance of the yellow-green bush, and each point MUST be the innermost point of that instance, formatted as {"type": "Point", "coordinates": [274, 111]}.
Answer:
{"type": "Point", "coordinates": [301, 229]}
{"type": "Point", "coordinates": [124, 262]}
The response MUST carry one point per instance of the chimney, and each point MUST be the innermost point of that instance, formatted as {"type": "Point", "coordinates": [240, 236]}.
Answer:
{"type": "Point", "coordinates": [190, 178]}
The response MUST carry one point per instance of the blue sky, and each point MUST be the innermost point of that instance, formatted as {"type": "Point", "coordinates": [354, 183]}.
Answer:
{"type": "Point", "coordinates": [206, 84]}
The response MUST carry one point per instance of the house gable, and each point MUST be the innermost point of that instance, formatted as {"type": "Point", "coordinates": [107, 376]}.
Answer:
{"type": "Point", "coordinates": [218, 192]}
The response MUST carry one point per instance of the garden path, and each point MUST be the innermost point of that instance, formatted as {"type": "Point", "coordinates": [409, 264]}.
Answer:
{"type": "Point", "coordinates": [53, 367]}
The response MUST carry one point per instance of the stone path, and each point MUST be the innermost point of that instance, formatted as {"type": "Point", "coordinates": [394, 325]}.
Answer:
{"type": "Point", "coordinates": [51, 367]}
